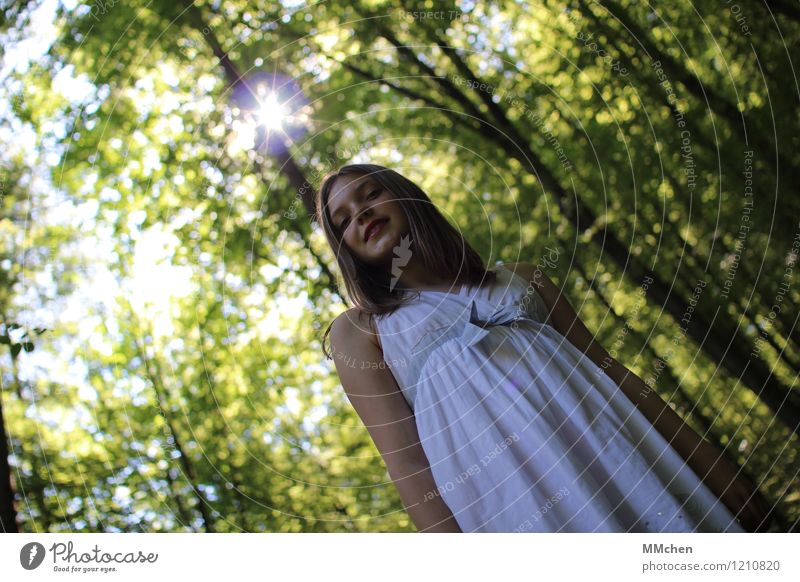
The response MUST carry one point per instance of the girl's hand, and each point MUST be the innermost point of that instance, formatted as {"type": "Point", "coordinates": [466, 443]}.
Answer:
{"type": "Point", "coordinates": [737, 492]}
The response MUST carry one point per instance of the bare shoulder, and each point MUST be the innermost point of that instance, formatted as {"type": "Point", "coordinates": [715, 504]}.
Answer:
{"type": "Point", "coordinates": [353, 328]}
{"type": "Point", "coordinates": [516, 266]}
{"type": "Point", "coordinates": [525, 270]}
{"type": "Point", "coordinates": [536, 277]}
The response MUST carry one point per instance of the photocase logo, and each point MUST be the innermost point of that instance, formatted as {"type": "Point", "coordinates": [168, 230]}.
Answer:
{"type": "Point", "coordinates": [402, 254]}
{"type": "Point", "coordinates": [31, 555]}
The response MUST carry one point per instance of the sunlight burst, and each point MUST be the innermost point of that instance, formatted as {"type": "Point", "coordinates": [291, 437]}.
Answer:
{"type": "Point", "coordinates": [268, 108]}
{"type": "Point", "coordinates": [272, 113]}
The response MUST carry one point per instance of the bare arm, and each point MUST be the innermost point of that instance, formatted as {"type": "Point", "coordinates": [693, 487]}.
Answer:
{"type": "Point", "coordinates": [706, 460]}
{"type": "Point", "coordinates": [376, 397]}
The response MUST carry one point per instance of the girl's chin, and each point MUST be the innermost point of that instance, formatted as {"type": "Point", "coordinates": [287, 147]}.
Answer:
{"type": "Point", "coordinates": [379, 256]}
{"type": "Point", "coordinates": [379, 244]}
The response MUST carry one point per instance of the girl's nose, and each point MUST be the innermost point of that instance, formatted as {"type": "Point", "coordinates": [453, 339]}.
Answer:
{"type": "Point", "coordinates": [366, 213]}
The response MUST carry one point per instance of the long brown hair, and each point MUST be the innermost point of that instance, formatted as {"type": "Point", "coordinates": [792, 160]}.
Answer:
{"type": "Point", "coordinates": [440, 246]}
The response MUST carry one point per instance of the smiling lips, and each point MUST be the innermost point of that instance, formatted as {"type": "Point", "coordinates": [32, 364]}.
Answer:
{"type": "Point", "coordinates": [374, 228]}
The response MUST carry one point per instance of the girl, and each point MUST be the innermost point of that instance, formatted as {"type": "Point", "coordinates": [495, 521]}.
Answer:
{"type": "Point", "coordinates": [489, 401]}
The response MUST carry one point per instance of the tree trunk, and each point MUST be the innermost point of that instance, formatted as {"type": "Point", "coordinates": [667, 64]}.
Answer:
{"type": "Point", "coordinates": [704, 92]}
{"type": "Point", "coordinates": [8, 513]}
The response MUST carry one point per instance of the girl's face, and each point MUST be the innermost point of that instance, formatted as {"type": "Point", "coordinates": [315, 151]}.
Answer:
{"type": "Point", "coordinates": [357, 205]}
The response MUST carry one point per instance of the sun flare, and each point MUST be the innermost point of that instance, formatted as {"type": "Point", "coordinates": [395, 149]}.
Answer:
{"type": "Point", "coordinates": [271, 113]}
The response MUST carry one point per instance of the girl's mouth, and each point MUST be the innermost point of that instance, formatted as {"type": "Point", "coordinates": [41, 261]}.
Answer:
{"type": "Point", "coordinates": [376, 230]}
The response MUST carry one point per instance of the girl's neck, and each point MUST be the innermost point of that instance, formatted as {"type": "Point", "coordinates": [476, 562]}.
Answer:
{"type": "Point", "coordinates": [415, 277]}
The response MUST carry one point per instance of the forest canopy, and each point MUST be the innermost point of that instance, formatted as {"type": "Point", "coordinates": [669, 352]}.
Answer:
{"type": "Point", "coordinates": [164, 287]}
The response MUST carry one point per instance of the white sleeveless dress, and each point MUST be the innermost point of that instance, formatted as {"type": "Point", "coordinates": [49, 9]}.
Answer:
{"type": "Point", "coordinates": [523, 432]}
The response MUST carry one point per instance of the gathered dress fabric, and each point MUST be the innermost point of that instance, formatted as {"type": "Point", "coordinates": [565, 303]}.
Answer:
{"type": "Point", "coordinates": [523, 431]}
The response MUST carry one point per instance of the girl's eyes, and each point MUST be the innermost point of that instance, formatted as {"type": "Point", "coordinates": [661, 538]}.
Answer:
{"type": "Point", "coordinates": [346, 220]}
